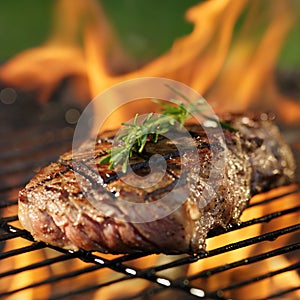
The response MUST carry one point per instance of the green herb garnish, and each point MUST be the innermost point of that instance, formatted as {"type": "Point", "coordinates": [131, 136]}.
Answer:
{"type": "Point", "coordinates": [134, 136]}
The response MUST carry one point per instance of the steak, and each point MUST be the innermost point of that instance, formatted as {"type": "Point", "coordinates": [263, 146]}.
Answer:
{"type": "Point", "coordinates": [56, 209]}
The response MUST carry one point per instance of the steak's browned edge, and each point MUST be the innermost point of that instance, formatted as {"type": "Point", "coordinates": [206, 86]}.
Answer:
{"type": "Point", "coordinates": [54, 209]}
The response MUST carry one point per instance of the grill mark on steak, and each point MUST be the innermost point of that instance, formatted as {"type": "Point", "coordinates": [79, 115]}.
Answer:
{"type": "Point", "coordinates": [54, 208]}
{"type": "Point", "coordinates": [49, 178]}
{"type": "Point", "coordinates": [161, 191]}
{"type": "Point", "coordinates": [88, 173]}
{"type": "Point", "coordinates": [112, 175]}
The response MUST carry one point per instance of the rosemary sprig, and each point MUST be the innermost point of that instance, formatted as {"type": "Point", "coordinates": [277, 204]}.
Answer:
{"type": "Point", "coordinates": [134, 136]}
{"type": "Point", "coordinates": [198, 106]}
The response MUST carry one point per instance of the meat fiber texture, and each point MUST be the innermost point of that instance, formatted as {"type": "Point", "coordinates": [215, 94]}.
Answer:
{"type": "Point", "coordinates": [54, 208]}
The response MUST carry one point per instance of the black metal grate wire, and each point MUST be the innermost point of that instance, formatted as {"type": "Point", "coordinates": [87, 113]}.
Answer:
{"type": "Point", "coordinates": [84, 275]}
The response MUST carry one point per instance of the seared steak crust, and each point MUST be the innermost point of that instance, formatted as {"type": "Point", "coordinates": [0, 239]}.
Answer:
{"type": "Point", "coordinates": [54, 209]}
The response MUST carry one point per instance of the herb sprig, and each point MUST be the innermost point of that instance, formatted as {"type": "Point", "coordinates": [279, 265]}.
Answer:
{"type": "Point", "coordinates": [134, 136]}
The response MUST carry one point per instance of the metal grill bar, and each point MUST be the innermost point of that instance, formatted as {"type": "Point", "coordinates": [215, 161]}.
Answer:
{"type": "Point", "coordinates": [282, 293]}
{"type": "Point", "coordinates": [148, 273]}
{"type": "Point", "coordinates": [31, 147]}
{"type": "Point", "coordinates": [88, 289]}
{"type": "Point", "coordinates": [9, 219]}
{"type": "Point", "coordinates": [47, 262]}
{"type": "Point", "coordinates": [181, 284]}
{"type": "Point", "coordinates": [267, 218]}
{"type": "Point", "coordinates": [22, 250]}
{"type": "Point", "coordinates": [244, 262]}
{"type": "Point", "coordinates": [268, 200]}
{"type": "Point", "coordinates": [255, 279]}
{"type": "Point", "coordinates": [270, 236]}
{"type": "Point", "coordinates": [8, 236]}
{"type": "Point", "coordinates": [217, 294]}
{"type": "Point", "coordinates": [53, 279]}
{"type": "Point", "coordinates": [11, 203]}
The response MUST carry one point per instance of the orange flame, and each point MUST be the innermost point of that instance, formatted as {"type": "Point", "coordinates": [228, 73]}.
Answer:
{"type": "Point", "coordinates": [187, 59]}
{"type": "Point", "coordinates": [232, 71]}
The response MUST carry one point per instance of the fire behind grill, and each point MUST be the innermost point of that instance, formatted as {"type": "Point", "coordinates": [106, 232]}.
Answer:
{"type": "Point", "coordinates": [30, 142]}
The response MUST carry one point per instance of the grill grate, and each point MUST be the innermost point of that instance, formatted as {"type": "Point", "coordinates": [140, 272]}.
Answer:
{"type": "Point", "coordinates": [82, 275]}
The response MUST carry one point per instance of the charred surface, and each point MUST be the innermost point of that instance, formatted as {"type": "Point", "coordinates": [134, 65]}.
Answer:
{"type": "Point", "coordinates": [54, 209]}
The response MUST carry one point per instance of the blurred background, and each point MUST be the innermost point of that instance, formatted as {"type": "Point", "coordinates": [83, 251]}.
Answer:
{"type": "Point", "coordinates": [146, 28]}
{"type": "Point", "coordinates": [240, 54]}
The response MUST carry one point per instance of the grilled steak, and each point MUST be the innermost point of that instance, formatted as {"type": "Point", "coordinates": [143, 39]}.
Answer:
{"type": "Point", "coordinates": [54, 208]}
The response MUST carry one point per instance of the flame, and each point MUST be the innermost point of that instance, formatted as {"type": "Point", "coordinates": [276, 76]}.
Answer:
{"type": "Point", "coordinates": [233, 70]}
{"type": "Point", "coordinates": [257, 290]}
{"type": "Point", "coordinates": [264, 288]}
{"type": "Point", "coordinates": [250, 65]}
{"type": "Point", "coordinates": [187, 60]}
